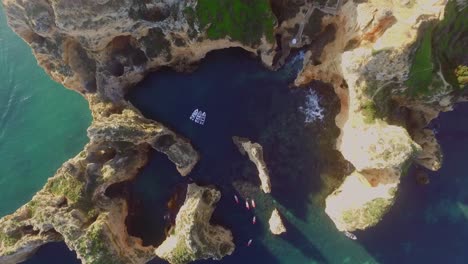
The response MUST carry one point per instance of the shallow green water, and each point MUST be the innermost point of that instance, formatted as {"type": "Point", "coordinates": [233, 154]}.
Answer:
{"type": "Point", "coordinates": [42, 124]}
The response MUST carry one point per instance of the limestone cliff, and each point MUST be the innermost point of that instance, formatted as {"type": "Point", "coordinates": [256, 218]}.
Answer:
{"type": "Point", "coordinates": [377, 64]}
{"type": "Point", "coordinates": [394, 64]}
{"type": "Point", "coordinates": [107, 46]}
{"type": "Point", "coordinates": [193, 237]}
{"type": "Point", "coordinates": [73, 205]}
{"type": "Point", "coordinates": [255, 153]}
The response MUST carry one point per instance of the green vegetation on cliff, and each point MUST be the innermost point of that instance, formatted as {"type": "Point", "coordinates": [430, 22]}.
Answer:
{"type": "Point", "coordinates": [369, 214]}
{"type": "Point", "coordinates": [422, 69]}
{"type": "Point", "coordinates": [94, 245]}
{"type": "Point", "coordinates": [243, 20]}
{"type": "Point", "coordinates": [67, 186]}
{"type": "Point", "coordinates": [440, 49]}
{"type": "Point", "coordinates": [7, 240]}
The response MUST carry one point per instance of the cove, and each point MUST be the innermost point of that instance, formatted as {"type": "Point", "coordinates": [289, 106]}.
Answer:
{"type": "Point", "coordinates": [426, 225]}
{"type": "Point", "coordinates": [241, 98]}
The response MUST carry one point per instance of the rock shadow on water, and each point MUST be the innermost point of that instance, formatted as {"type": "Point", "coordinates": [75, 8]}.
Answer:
{"type": "Point", "coordinates": [241, 98]}
{"type": "Point", "coordinates": [295, 237]}
{"type": "Point", "coordinates": [53, 253]}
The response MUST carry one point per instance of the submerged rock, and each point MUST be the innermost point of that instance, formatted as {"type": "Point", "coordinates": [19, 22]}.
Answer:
{"type": "Point", "coordinates": [193, 237]}
{"type": "Point", "coordinates": [422, 177]}
{"type": "Point", "coordinates": [276, 224]}
{"type": "Point", "coordinates": [255, 153]}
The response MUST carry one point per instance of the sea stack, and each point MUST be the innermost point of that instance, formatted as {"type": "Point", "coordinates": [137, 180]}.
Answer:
{"type": "Point", "coordinates": [276, 224]}
{"type": "Point", "coordinates": [255, 152]}
{"type": "Point", "coordinates": [193, 237]}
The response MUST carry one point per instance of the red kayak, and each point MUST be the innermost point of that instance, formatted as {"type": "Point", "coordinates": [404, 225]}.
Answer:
{"type": "Point", "coordinates": [236, 199]}
{"type": "Point", "coordinates": [247, 205]}
{"type": "Point", "coordinates": [254, 220]}
{"type": "Point", "coordinates": [253, 203]}
{"type": "Point", "coordinates": [249, 243]}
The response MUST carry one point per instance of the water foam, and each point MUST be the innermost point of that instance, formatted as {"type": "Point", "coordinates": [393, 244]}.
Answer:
{"type": "Point", "coordinates": [312, 110]}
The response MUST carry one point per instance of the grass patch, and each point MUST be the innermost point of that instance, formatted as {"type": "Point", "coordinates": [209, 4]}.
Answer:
{"type": "Point", "coordinates": [7, 240]}
{"type": "Point", "coordinates": [67, 186]}
{"type": "Point", "coordinates": [369, 111]}
{"type": "Point", "coordinates": [462, 75]}
{"type": "Point", "coordinates": [242, 20]}
{"type": "Point", "coordinates": [369, 215]}
{"type": "Point", "coordinates": [422, 69]}
{"type": "Point", "coordinates": [441, 48]}
{"type": "Point", "coordinates": [95, 246]}
{"type": "Point", "coordinates": [180, 254]}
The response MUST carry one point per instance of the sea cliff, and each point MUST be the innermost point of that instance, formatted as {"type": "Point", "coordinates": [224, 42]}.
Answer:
{"type": "Point", "coordinates": [393, 64]}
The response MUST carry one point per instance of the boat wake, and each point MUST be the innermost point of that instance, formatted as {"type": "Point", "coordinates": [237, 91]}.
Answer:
{"type": "Point", "coordinates": [312, 110]}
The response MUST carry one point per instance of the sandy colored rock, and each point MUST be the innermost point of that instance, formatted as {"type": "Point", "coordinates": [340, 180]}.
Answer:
{"type": "Point", "coordinates": [193, 237]}
{"type": "Point", "coordinates": [255, 153]}
{"type": "Point", "coordinates": [102, 48]}
{"type": "Point", "coordinates": [276, 224]}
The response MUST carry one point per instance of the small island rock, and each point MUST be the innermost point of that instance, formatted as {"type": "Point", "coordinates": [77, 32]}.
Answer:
{"type": "Point", "coordinates": [255, 152]}
{"type": "Point", "coordinates": [193, 237]}
{"type": "Point", "coordinates": [276, 224]}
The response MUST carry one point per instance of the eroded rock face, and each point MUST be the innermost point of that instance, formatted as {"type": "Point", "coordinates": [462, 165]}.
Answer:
{"type": "Point", "coordinates": [73, 206]}
{"type": "Point", "coordinates": [276, 224]}
{"type": "Point", "coordinates": [373, 64]}
{"type": "Point", "coordinates": [369, 51]}
{"type": "Point", "coordinates": [131, 126]}
{"type": "Point", "coordinates": [193, 237]}
{"type": "Point", "coordinates": [107, 46]}
{"type": "Point", "coordinates": [255, 153]}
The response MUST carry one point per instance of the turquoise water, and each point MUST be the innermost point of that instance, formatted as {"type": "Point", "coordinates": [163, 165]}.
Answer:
{"type": "Point", "coordinates": [42, 124]}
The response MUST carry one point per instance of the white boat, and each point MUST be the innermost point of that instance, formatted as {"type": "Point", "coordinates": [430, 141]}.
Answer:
{"type": "Point", "coordinates": [194, 114]}
{"type": "Point", "coordinates": [350, 235]}
{"type": "Point", "coordinates": [236, 199]}
{"type": "Point", "coordinates": [202, 118]}
{"type": "Point", "coordinates": [198, 117]}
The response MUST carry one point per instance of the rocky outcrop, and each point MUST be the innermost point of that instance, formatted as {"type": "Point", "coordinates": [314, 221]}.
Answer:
{"type": "Point", "coordinates": [73, 206]}
{"type": "Point", "coordinates": [276, 224]}
{"type": "Point", "coordinates": [107, 46]}
{"type": "Point", "coordinates": [193, 237]}
{"type": "Point", "coordinates": [255, 153]}
{"type": "Point", "coordinates": [394, 64]}
{"type": "Point", "coordinates": [372, 64]}
{"type": "Point", "coordinates": [129, 125]}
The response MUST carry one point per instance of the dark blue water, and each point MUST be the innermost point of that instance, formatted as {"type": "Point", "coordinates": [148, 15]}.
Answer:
{"type": "Point", "coordinates": [53, 253]}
